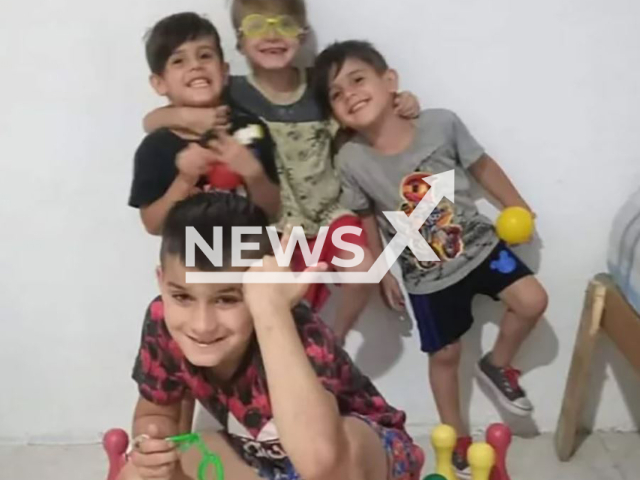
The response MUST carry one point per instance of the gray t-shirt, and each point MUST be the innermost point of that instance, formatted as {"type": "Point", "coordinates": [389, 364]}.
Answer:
{"type": "Point", "coordinates": [458, 234]}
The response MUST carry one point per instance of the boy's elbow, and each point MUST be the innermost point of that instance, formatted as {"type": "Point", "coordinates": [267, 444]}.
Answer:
{"type": "Point", "coordinates": [153, 230]}
{"type": "Point", "coordinates": [150, 225]}
{"type": "Point", "coordinates": [147, 125]}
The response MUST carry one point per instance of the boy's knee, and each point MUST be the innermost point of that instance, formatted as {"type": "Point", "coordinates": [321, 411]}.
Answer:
{"type": "Point", "coordinates": [447, 357]}
{"type": "Point", "coordinates": [534, 304]}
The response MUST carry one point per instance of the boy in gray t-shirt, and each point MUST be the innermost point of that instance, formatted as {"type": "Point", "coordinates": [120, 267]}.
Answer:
{"type": "Point", "coordinates": [382, 169]}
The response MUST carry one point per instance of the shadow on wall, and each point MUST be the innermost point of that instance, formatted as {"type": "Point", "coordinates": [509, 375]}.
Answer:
{"type": "Point", "coordinates": [382, 334]}
{"type": "Point", "coordinates": [381, 331]}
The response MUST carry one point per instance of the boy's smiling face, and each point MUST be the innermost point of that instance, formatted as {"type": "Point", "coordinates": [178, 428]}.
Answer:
{"type": "Point", "coordinates": [210, 322]}
{"type": "Point", "coordinates": [271, 50]}
{"type": "Point", "coordinates": [359, 95]}
{"type": "Point", "coordinates": [194, 75]}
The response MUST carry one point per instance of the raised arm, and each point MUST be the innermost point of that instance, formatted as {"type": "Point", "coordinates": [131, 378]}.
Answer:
{"type": "Point", "coordinates": [306, 414]}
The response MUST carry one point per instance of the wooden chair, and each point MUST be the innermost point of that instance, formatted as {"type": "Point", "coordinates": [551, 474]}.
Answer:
{"type": "Point", "coordinates": [605, 309]}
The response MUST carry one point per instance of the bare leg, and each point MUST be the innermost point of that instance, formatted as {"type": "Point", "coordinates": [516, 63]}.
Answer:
{"type": "Point", "coordinates": [353, 297]}
{"type": "Point", "coordinates": [443, 376]}
{"type": "Point", "coordinates": [526, 302]}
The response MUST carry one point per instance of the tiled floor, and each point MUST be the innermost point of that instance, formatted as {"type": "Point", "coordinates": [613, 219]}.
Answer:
{"type": "Point", "coordinates": [604, 456]}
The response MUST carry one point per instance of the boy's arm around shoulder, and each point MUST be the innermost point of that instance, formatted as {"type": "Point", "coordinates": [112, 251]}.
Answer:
{"type": "Point", "coordinates": [191, 119]}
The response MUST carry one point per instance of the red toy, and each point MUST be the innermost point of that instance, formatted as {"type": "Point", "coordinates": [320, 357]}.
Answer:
{"type": "Point", "coordinates": [222, 178]}
{"type": "Point", "coordinates": [499, 437]}
{"type": "Point", "coordinates": [115, 443]}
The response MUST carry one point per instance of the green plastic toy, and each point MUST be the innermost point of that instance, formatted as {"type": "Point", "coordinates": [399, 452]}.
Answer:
{"type": "Point", "coordinates": [186, 441]}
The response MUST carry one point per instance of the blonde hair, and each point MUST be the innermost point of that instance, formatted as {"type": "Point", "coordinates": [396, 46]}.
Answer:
{"type": "Point", "coordinates": [295, 8]}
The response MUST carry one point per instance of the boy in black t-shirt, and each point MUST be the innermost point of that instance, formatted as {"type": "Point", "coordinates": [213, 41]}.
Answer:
{"type": "Point", "coordinates": [187, 65]}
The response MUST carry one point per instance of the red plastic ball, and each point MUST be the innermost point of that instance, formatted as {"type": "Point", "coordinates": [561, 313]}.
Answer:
{"type": "Point", "coordinates": [223, 178]}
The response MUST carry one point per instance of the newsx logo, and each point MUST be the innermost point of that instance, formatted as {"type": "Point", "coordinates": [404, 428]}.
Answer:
{"type": "Point", "coordinates": [407, 236]}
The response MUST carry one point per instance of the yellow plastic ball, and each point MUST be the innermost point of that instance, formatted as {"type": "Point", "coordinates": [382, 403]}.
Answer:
{"type": "Point", "coordinates": [515, 225]}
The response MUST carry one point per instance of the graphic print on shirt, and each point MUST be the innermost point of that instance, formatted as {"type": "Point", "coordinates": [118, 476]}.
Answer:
{"type": "Point", "coordinates": [444, 236]}
{"type": "Point", "coordinates": [263, 451]}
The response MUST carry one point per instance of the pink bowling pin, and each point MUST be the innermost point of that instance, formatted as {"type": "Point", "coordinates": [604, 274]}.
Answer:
{"type": "Point", "coordinates": [115, 443]}
{"type": "Point", "coordinates": [499, 437]}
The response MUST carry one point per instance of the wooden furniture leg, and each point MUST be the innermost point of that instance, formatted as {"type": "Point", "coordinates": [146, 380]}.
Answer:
{"type": "Point", "coordinates": [574, 394]}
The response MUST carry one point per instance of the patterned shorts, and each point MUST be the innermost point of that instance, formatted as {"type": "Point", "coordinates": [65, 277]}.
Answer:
{"type": "Point", "coordinates": [405, 459]}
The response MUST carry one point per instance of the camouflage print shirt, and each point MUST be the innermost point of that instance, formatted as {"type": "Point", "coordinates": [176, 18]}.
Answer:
{"type": "Point", "coordinates": [242, 405]}
{"type": "Point", "coordinates": [309, 185]}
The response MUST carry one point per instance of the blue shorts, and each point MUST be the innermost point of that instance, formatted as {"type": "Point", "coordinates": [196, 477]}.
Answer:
{"type": "Point", "coordinates": [405, 458]}
{"type": "Point", "coordinates": [444, 316]}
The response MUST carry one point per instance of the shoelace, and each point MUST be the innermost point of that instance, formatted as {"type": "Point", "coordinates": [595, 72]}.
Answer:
{"type": "Point", "coordinates": [512, 375]}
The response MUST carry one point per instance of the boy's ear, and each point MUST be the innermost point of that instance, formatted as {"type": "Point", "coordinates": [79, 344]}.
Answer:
{"type": "Point", "coordinates": [392, 80]}
{"type": "Point", "coordinates": [158, 84]}
{"type": "Point", "coordinates": [159, 276]}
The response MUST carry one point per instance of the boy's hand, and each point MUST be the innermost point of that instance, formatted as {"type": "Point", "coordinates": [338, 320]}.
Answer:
{"type": "Point", "coordinates": [406, 105]}
{"type": "Point", "coordinates": [201, 120]}
{"type": "Point", "coordinates": [391, 293]}
{"type": "Point", "coordinates": [226, 149]}
{"type": "Point", "coordinates": [154, 457]}
{"type": "Point", "coordinates": [282, 295]}
{"type": "Point", "coordinates": [194, 161]}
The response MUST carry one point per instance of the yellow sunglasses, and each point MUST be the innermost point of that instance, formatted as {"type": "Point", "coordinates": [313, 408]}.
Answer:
{"type": "Point", "coordinates": [257, 25]}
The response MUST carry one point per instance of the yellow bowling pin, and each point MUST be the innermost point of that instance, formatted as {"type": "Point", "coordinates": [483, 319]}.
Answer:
{"type": "Point", "coordinates": [443, 439]}
{"type": "Point", "coordinates": [481, 457]}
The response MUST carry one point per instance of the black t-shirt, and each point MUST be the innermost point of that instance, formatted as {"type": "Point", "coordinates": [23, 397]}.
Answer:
{"type": "Point", "coordinates": [155, 161]}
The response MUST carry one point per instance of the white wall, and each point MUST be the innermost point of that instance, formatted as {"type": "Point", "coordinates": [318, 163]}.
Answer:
{"type": "Point", "coordinates": [550, 88]}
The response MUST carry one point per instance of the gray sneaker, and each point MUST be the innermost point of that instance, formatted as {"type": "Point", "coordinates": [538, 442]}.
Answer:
{"type": "Point", "coordinates": [503, 382]}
